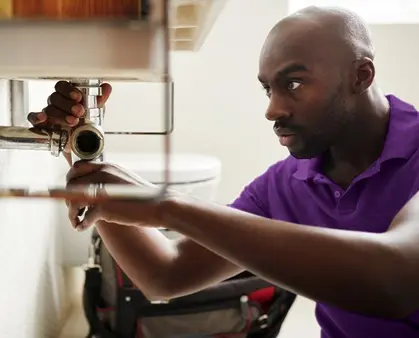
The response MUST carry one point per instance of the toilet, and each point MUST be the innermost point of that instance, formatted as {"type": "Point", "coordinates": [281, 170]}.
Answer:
{"type": "Point", "coordinates": [193, 174]}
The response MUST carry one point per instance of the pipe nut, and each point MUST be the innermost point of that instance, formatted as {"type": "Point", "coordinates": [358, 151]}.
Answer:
{"type": "Point", "coordinates": [87, 141]}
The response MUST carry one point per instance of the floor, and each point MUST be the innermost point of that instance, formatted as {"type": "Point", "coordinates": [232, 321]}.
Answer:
{"type": "Point", "coordinates": [301, 321]}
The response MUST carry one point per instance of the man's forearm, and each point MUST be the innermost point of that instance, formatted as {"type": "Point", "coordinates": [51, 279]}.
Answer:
{"type": "Point", "coordinates": [143, 253]}
{"type": "Point", "coordinates": [352, 270]}
{"type": "Point", "coordinates": [162, 268]}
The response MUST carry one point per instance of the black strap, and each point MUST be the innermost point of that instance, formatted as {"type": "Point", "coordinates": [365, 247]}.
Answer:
{"type": "Point", "coordinates": [91, 300]}
{"type": "Point", "coordinates": [131, 300]}
{"type": "Point", "coordinates": [92, 291]}
{"type": "Point", "coordinates": [269, 325]}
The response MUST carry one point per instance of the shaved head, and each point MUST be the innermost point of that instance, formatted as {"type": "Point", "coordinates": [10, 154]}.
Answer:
{"type": "Point", "coordinates": [315, 65]}
{"type": "Point", "coordinates": [344, 28]}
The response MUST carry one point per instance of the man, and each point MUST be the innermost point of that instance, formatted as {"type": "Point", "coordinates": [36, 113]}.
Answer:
{"type": "Point", "coordinates": [321, 223]}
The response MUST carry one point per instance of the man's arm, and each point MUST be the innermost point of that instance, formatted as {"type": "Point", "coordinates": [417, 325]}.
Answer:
{"type": "Point", "coordinates": [375, 274]}
{"type": "Point", "coordinates": [159, 267]}
{"type": "Point", "coordinates": [163, 268]}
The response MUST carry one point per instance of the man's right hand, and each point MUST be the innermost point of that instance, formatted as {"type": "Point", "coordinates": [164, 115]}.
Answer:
{"type": "Point", "coordinates": [64, 107]}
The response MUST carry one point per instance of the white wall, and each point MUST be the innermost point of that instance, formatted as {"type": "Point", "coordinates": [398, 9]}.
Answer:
{"type": "Point", "coordinates": [32, 297]}
{"type": "Point", "coordinates": [397, 67]}
{"type": "Point", "coordinates": [32, 301]}
{"type": "Point", "coordinates": [219, 111]}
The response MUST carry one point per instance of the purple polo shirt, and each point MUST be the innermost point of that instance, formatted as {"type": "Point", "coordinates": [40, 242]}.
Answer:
{"type": "Point", "coordinates": [295, 191]}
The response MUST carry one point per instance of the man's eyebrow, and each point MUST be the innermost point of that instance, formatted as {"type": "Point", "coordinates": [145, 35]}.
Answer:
{"type": "Point", "coordinates": [292, 68]}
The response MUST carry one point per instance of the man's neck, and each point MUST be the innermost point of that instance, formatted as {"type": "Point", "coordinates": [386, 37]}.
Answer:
{"type": "Point", "coordinates": [360, 147]}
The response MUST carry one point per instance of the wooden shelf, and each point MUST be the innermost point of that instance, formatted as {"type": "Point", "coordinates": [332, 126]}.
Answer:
{"type": "Point", "coordinates": [191, 21]}
{"type": "Point", "coordinates": [47, 39]}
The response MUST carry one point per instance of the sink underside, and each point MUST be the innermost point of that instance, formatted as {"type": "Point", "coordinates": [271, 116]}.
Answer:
{"type": "Point", "coordinates": [57, 50]}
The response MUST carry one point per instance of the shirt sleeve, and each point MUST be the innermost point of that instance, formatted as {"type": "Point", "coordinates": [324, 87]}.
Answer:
{"type": "Point", "coordinates": [254, 197]}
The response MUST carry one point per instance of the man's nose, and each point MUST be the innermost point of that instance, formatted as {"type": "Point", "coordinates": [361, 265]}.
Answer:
{"type": "Point", "coordinates": [277, 108]}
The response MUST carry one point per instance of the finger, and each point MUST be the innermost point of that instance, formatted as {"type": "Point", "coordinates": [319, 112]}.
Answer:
{"type": "Point", "coordinates": [91, 217]}
{"type": "Point", "coordinates": [65, 104]}
{"type": "Point", "coordinates": [106, 92]}
{"type": "Point", "coordinates": [37, 118]}
{"type": "Point", "coordinates": [77, 209]}
{"type": "Point", "coordinates": [52, 116]}
{"type": "Point", "coordinates": [73, 212]}
{"type": "Point", "coordinates": [66, 89]}
{"type": "Point", "coordinates": [83, 168]}
{"type": "Point", "coordinates": [56, 116]}
{"type": "Point", "coordinates": [77, 213]}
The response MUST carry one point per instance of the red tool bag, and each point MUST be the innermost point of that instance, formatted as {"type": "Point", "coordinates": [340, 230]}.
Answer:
{"type": "Point", "coordinates": [239, 307]}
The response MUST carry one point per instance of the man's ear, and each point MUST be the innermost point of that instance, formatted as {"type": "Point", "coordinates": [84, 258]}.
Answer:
{"type": "Point", "coordinates": [364, 74]}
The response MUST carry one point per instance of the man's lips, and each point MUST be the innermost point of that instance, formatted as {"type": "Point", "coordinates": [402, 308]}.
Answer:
{"type": "Point", "coordinates": [287, 140]}
{"type": "Point", "coordinates": [286, 137]}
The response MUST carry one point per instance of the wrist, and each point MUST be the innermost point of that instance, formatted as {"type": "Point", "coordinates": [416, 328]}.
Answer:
{"type": "Point", "coordinates": [171, 206]}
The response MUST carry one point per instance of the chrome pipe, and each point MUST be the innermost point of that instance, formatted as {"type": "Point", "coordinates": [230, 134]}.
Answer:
{"type": "Point", "coordinates": [21, 138]}
{"type": "Point", "coordinates": [86, 140]}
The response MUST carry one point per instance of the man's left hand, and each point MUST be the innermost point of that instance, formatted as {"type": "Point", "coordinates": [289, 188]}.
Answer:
{"type": "Point", "coordinates": [129, 213]}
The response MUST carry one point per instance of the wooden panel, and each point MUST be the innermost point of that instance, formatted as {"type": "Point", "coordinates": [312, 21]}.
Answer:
{"type": "Point", "coordinates": [36, 8]}
{"type": "Point", "coordinates": [5, 8]}
{"type": "Point", "coordinates": [100, 8]}
{"type": "Point", "coordinates": [75, 9]}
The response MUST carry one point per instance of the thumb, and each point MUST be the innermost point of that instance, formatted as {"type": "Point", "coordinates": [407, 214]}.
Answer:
{"type": "Point", "coordinates": [106, 92]}
{"type": "Point", "coordinates": [91, 217]}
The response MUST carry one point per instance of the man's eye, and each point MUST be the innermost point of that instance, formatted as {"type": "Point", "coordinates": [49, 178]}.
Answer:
{"type": "Point", "coordinates": [293, 85]}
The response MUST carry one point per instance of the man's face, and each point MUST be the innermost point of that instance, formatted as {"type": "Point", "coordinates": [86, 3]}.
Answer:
{"type": "Point", "coordinates": [307, 97]}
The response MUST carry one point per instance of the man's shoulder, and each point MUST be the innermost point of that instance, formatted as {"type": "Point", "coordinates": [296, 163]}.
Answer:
{"type": "Point", "coordinates": [399, 103]}
{"type": "Point", "coordinates": [402, 113]}
{"type": "Point", "coordinates": [283, 169]}
{"type": "Point", "coordinates": [402, 140]}
{"type": "Point", "coordinates": [267, 189]}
